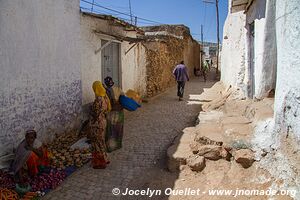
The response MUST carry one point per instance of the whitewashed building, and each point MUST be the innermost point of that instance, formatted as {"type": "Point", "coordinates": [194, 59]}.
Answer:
{"type": "Point", "coordinates": [50, 54]}
{"type": "Point", "coordinates": [111, 47]}
{"type": "Point", "coordinates": [261, 52]}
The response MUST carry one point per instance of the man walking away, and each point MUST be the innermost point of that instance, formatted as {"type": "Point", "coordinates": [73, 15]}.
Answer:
{"type": "Point", "coordinates": [181, 76]}
{"type": "Point", "coordinates": [204, 70]}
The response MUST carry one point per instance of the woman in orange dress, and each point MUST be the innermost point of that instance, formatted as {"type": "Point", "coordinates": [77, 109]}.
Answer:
{"type": "Point", "coordinates": [30, 156]}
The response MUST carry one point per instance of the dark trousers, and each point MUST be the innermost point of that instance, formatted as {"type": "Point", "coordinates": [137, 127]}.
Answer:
{"type": "Point", "coordinates": [180, 88]}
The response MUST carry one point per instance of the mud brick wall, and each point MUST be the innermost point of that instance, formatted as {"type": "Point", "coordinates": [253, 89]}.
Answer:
{"type": "Point", "coordinates": [163, 55]}
{"type": "Point", "coordinates": [161, 60]}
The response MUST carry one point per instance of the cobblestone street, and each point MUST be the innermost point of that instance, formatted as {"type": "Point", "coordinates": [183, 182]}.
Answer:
{"type": "Point", "coordinates": [148, 133]}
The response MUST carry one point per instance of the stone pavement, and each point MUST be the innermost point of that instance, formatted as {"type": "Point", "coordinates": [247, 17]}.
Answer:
{"type": "Point", "coordinates": [148, 133]}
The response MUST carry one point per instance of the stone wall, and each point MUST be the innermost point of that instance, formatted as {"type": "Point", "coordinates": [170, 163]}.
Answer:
{"type": "Point", "coordinates": [40, 69]}
{"type": "Point", "coordinates": [162, 57]}
{"type": "Point", "coordinates": [161, 60]}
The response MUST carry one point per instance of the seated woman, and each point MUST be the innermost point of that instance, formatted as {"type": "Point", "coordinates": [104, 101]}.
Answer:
{"type": "Point", "coordinates": [30, 155]}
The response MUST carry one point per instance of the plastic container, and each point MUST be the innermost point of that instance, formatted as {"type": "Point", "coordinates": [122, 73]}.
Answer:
{"type": "Point", "coordinates": [133, 95]}
{"type": "Point", "coordinates": [128, 103]}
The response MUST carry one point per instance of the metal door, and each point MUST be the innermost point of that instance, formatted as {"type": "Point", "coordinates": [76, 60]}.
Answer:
{"type": "Point", "coordinates": [110, 61]}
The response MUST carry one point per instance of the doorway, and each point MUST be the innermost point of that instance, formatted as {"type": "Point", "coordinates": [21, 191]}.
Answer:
{"type": "Point", "coordinates": [251, 60]}
{"type": "Point", "coordinates": [110, 61]}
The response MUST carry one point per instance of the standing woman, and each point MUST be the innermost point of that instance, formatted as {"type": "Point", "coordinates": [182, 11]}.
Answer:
{"type": "Point", "coordinates": [100, 108]}
{"type": "Point", "coordinates": [115, 118]}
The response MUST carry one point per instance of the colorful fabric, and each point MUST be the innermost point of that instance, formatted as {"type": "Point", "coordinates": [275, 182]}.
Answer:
{"type": "Point", "coordinates": [97, 124]}
{"type": "Point", "coordinates": [34, 163]}
{"type": "Point", "coordinates": [114, 130]}
{"type": "Point", "coordinates": [98, 88]}
{"type": "Point", "coordinates": [100, 91]}
{"type": "Point", "coordinates": [22, 155]}
{"type": "Point", "coordinates": [99, 161]}
{"type": "Point", "coordinates": [116, 92]}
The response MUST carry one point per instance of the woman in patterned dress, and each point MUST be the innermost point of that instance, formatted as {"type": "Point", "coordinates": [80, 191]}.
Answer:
{"type": "Point", "coordinates": [97, 122]}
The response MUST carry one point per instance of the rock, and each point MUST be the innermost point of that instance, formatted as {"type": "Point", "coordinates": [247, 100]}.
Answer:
{"type": "Point", "coordinates": [183, 167]}
{"type": "Point", "coordinates": [177, 155]}
{"type": "Point", "coordinates": [180, 150]}
{"type": "Point", "coordinates": [206, 141]}
{"type": "Point", "coordinates": [227, 148]}
{"type": "Point", "coordinates": [264, 154]}
{"type": "Point", "coordinates": [211, 152]}
{"type": "Point", "coordinates": [225, 154]}
{"type": "Point", "coordinates": [196, 163]}
{"type": "Point", "coordinates": [195, 147]}
{"type": "Point", "coordinates": [245, 157]}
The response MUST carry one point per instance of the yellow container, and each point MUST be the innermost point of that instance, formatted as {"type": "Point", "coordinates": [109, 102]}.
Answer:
{"type": "Point", "coordinates": [134, 95]}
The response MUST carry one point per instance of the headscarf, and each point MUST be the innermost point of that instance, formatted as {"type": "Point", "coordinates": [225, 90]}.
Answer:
{"type": "Point", "coordinates": [100, 91]}
{"type": "Point", "coordinates": [30, 131]}
{"type": "Point", "coordinates": [22, 154]}
{"type": "Point", "coordinates": [109, 81]}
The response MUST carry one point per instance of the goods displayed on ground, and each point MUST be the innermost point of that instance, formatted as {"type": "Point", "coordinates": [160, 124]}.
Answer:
{"type": "Point", "coordinates": [31, 196]}
{"type": "Point", "coordinates": [7, 194]}
{"type": "Point", "coordinates": [47, 181]}
{"type": "Point", "coordinates": [63, 161]}
{"type": "Point", "coordinates": [6, 180]}
{"type": "Point", "coordinates": [62, 156]}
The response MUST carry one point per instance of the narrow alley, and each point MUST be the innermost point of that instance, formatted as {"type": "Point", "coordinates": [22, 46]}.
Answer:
{"type": "Point", "coordinates": [105, 100]}
{"type": "Point", "coordinates": [141, 162]}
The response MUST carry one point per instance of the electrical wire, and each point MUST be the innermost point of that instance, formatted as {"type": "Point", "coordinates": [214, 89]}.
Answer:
{"type": "Point", "coordinates": [119, 12]}
{"type": "Point", "coordinates": [96, 11]}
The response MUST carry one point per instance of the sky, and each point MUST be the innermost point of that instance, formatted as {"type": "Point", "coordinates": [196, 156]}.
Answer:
{"type": "Point", "coordinates": [191, 13]}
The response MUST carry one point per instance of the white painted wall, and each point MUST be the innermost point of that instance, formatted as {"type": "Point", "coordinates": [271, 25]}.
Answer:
{"type": "Point", "coordinates": [233, 50]}
{"type": "Point", "coordinates": [266, 71]}
{"type": "Point", "coordinates": [277, 51]}
{"type": "Point", "coordinates": [281, 136]}
{"type": "Point", "coordinates": [262, 13]}
{"type": "Point", "coordinates": [235, 60]}
{"type": "Point", "coordinates": [287, 101]}
{"type": "Point", "coordinates": [90, 61]}
{"type": "Point", "coordinates": [133, 64]}
{"type": "Point", "coordinates": [40, 68]}
{"type": "Point", "coordinates": [134, 68]}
